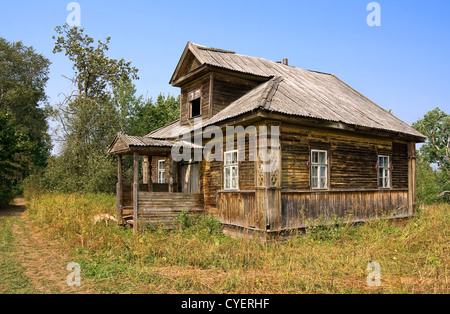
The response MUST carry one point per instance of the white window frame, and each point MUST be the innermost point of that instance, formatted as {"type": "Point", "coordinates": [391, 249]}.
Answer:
{"type": "Point", "coordinates": [161, 172]}
{"type": "Point", "coordinates": [319, 167]}
{"type": "Point", "coordinates": [386, 169]}
{"type": "Point", "coordinates": [228, 169]}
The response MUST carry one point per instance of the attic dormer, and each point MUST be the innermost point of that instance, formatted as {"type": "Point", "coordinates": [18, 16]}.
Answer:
{"type": "Point", "coordinates": [206, 87]}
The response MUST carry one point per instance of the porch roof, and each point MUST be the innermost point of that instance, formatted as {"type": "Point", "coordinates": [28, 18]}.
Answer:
{"type": "Point", "coordinates": [127, 145]}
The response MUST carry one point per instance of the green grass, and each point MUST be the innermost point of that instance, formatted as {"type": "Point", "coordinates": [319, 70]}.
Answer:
{"type": "Point", "coordinates": [12, 275]}
{"type": "Point", "coordinates": [197, 258]}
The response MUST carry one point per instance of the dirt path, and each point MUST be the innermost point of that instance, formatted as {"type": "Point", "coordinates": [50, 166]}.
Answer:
{"type": "Point", "coordinates": [44, 261]}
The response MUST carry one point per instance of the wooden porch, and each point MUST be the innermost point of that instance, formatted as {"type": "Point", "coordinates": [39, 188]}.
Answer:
{"type": "Point", "coordinates": [145, 203]}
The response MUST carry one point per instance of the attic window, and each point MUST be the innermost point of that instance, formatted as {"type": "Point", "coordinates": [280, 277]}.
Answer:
{"type": "Point", "coordinates": [195, 108]}
{"type": "Point", "coordinates": [195, 103]}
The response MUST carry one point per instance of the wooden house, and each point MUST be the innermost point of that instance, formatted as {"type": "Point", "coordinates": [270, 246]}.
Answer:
{"type": "Point", "coordinates": [338, 154]}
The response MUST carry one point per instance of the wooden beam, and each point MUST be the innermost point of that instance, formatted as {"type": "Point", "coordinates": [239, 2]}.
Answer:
{"type": "Point", "coordinates": [412, 179]}
{"type": "Point", "coordinates": [268, 180]}
{"type": "Point", "coordinates": [149, 171]}
{"type": "Point", "coordinates": [172, 174]}
{"type": "Point", "coordinates": [211, 95]}
{"type": "Point", "coordinates": [136, 192]}
{"type": "Point", "coordinates": [119, 190]}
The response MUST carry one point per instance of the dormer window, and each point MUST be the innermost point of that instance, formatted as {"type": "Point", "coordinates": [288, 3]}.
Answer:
{"type": "Point", "coordinates": [195, 103]}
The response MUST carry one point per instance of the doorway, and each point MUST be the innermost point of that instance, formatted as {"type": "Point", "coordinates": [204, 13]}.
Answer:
{"type": "Point", "coordinates": [190, 178]}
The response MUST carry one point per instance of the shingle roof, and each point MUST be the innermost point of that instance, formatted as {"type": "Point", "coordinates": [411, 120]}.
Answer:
{"type": "Point", "coordinates": [145, 142]}
{"type": "Point", "coordinates": [295, 92]}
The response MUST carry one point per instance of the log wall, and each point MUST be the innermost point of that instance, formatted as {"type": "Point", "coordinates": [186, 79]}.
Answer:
{"type": "Point", "coordinates": [299, 208]}
{"type": "Point", "coordinates": [162, 209]}
{"type": "Point", "coordinates": [239, 209]}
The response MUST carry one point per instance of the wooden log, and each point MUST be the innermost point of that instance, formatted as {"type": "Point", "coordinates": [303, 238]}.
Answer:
{"type": "Point", "coordinates": [119, 190]}
{"type": "Point", "coordinates": [412, 183]}
{"type": "Point", "coordinates": [136, 192]}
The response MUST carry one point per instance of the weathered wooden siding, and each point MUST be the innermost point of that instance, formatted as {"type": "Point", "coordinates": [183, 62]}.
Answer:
{"type": "Point", "coordinates": [212, 176]}
{"type": "Point", "coordinates": [127, 192]}
{"type": "Point", "coordinates": [352, 158]}
{"type": "Point", "coordinates": [227, 89]}
{"type": "Point", "coordinates": [161, 209]}
{"type": "Point", "coordinates": [155, 168]}
{"type": "Point", "coordinates": [400, 166]}
{"type": "Point", "coordinates": [239, 209]}
{"type": "Point", "coordinates": [202, 83]}
{"type": "Point", "coordinates": [356, 206]}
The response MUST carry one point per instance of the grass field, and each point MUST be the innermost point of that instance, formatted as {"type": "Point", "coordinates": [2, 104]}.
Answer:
{"type": "Point", "coordinates": [413, 254]}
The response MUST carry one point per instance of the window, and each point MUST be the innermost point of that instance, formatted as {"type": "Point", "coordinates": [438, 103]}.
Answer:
{"type": "Point", "coordinates": [196, 108]}
{"type": "Point", "coordinates": [231, 170]}
{"type": "Point", "coordinates": [384, 176]}
{"type": "Point", "coordinates": [195, 102]}
{"type": "Point", "coordinates": [161, 171]}
{"type": "Point", "coordinates": [319, 169]}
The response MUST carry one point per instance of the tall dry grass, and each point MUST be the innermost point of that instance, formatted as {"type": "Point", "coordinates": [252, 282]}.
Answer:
{"type": "Point", "coordinates": [197, 258]}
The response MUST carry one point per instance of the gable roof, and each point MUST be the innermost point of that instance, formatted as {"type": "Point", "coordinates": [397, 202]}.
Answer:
{"type": "Point", "coordinates": [294, 92]}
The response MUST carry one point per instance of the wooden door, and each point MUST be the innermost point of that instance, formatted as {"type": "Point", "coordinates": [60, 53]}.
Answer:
{"type": "Point", "coordinates": [190, 178]}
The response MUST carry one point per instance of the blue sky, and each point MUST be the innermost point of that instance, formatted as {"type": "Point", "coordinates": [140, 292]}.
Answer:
{"type": "Point", "coordinates": [402, 65]}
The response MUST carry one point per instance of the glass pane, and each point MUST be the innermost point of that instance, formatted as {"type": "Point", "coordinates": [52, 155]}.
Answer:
{"type": "Point", "coordinates": [227, 159]}
{"type": "Point", "coordinates": [315, 171]}
{"type": "Point", "coordinates": [234, 183]}
{"type": "Point", "coordinates": [386, 182]}
{"type": "Point", "coordinates": [227, 178]}
{"type": "Point", "coordinates": [235, 157]}
{"type": "Point", "coordinates": [315, 157]}
{"type": "Point", "coordinates": [315, 183]}
{"type": "Point", "coordinates": [323, 183]}
{"type": "Point", "coordinates": [380, 173]}
{"type": "Point", "coordinates": [235, 178]}
{"type": "Point", "coordinates": [380, 183]}
{"type": "Point", "coordinates": [380, 161]}
{"type": "Point", "coordinates": [323, 158]}
{"type": "Point", "coordinates": [323, 172]}
{"type": "Point", "coordinates": [386, 162]}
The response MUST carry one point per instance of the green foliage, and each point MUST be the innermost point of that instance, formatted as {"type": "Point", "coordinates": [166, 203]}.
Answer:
{"type": "Point", "coordinates": [436, 126]}
{"type": "Point", "coordinates": [199, 259]}
{"type": "Point", "coordinates": [436, 150]}
{"type": "Point", "coordinates": [428, 187]}
{"type": "Point", "coordinates": [24, 141]}
{"type": "Point", "coordinates": [103, 103]}
{"type": "Point", "coordinates": [90, 117]}
{"type": "Point", "coordinates": [95, 73]}
{"type": "Point", "coordinates": [149, 116]}
{"type": "Point", "coordinates": [198, 225]}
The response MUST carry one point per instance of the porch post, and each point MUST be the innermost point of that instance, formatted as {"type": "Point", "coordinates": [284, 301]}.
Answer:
{"type": "Point", "coordinates": [412, 181]}
{"type": "Point", "coordinates": [268, 178]}
{"type": "Point", "coordinates": [147, 166]}
{"type": "Point", "coordinates": [172, 174]}
{"type": "Point", "coordinates": [149, 170]}
{"type": "Point", "coordinates": [119, 191]}
{"type": "Point", "coordinates": [136, 192]}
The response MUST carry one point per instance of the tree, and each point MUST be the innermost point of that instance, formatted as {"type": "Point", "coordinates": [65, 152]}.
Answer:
{"type": "Point", "coordinates": [24, 140]}
{"type": "Point", "coordinates": [149, 116]}
{"type": "Point", "coordinates": [436, 126]}
{"type": "Point", "coordinates": [427, 182]}
{"type": "Point", "coordinates": [436, 150]}
{"type": "Point", "coordinates": [90, 116]}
